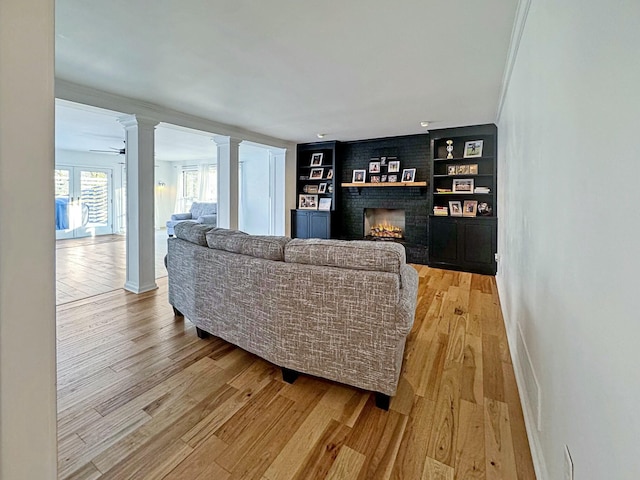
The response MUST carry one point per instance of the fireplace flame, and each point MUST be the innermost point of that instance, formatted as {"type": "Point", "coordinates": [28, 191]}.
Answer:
{"type": "Point", "coordinates": [385, 230]}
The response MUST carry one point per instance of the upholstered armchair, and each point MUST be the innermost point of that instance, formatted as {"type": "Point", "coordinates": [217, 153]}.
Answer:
{"type": "Point", "coordinates": [201, 212]}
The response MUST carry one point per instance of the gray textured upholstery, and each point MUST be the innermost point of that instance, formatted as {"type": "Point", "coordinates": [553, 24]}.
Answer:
{"type": "Point", "coordinates": [268, 247]}
{"type": "Point", "coordinates": [336, 322]}
{"type": "Point", "coordinates": [360, 255]}
{"type": "Point", "coordinates": [192, 232]}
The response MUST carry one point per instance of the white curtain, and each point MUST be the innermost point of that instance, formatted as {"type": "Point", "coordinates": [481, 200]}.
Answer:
{"type": "Point", "coordinates": [181, 202]}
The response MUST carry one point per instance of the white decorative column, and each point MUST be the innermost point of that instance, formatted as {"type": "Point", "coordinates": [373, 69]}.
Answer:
{"type": "Point", "coordinates": [277, 157]}
{"type": "Point", "coordinates": [228, 164]}
{"type": "Point", "coordinates": [141, 251]}
{"type": "Point", "coordinates": [27, 245]}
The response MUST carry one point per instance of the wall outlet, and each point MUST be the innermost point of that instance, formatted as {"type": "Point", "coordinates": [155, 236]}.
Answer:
{"type": "Point", "coordinates": [496, 257]}
{"type": "Point", "coordinates": [568, 464]}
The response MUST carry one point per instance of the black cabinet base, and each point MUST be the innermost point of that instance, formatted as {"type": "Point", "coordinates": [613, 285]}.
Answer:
{"type": "Point", "coordinates": [382, 401]}
{"type": "Point", "coordinates": [202, 334]}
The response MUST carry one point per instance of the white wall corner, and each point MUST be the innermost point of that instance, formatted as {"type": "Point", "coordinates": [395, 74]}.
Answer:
{"type": "Point", "coordinates": [531, 420]}
{"type": "Point", "coordinates": [514, 45]}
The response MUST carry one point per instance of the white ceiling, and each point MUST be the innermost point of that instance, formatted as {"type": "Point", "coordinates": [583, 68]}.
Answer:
{"type": "Point", "coordinates": [351, 69]}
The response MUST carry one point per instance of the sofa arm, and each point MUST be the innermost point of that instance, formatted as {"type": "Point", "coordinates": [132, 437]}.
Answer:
{"type": "Point", "coordinates": [180, 216]}
{"type": "Point", "coordinates": [406, 309]}
{"type": "Point", "coordinates": [208, 219]}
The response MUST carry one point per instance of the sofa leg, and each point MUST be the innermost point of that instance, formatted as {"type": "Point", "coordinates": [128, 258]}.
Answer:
{"type": "Point", "coordinates": [201, 333]}
{"type": "Point", "coordinates": [289, 375]}
{"type": "Point", "coordinates": [170, 235]}
{"type": "Point", "coordinates": [382, 401]}
{"type": "Point", "coordinates": [177, 312]}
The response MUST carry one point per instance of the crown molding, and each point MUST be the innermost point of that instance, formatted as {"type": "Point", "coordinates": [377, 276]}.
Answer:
{"type": "Point", "coordinates": [83, 94]}
{"type": "Point", "coordinates": [514, 45]}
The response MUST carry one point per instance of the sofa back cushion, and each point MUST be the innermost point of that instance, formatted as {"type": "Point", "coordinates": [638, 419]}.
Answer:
{"type": "Point", "coordinates": [192, 232]}
{"type": "Point", "coordinates": [199, 209]}
{"type": "Point", "coordinates": [358, 255]}
{"type": "Point", "coordinates": [267, 247]}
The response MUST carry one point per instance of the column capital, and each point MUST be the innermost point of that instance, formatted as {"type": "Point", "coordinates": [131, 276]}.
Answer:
{"type": "Point", "coordinates": [136, 120]}
{"type": "Point", "coordinates": [220, 140]}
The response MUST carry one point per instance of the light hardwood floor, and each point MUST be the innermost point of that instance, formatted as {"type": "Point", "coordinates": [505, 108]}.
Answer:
{"type": "Point", "coordinates": [93, 265]}
{"type": "Point", "coordinates": [140, 396]}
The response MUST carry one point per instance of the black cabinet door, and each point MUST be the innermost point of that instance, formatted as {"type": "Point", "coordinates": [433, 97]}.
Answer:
{"type": "Point", "coordinates": [310, 224]}
{"type": "Point", "coordinates": [443, 245]}
{"type": "Point", "coordinates": [467, 244]}
{"type": "Point", "coordinates": [320, 225]}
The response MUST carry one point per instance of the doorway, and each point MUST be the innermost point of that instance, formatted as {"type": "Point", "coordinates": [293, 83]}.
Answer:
{"type": "Point", "coordinates": [84, 201]}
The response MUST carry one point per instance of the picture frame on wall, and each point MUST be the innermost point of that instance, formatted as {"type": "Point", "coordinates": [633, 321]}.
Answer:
{"type": "Point", "coordinates": [473, 169]}
{"type": "Point", "coordinates": [359, 176]}
{"type": "Point", "coordinates": [316, 159]}
{"type": "Point", "coordinates": [408, 175]}
{"type": "Point", "coordinates": [469, 208]}
{"type": "Point", "coordinates": [322, 188]}
{"type": "Point", "coordinates": [374, 167]}
{"type": "Point", "coordinates": [392, 178]}
{"type": "Point", "coordinates": [325, 204]}
{"type": "Point", "coordinates": [455, 208]}
{"type": "Point", "coordinates": [330, 174]}
{"type": "Point", "coordinates": [375, 179]}
{"type": "Point", "coordinates": [383, 178]}
{"type": "Point", "coordinates": [316, 173]}
{"type": "Point", "coordinates": [451, 169]}
{"type": "Point", "coordinates": [393, 166]}
{"type": "Point", "coordinates": [462, 185]}
{"type": "Point", "coordinates": [473, 149]}
{"type": "Point", "coordinates": [307, 202]}
{"type": "Point", "coordinates": [463, 170]}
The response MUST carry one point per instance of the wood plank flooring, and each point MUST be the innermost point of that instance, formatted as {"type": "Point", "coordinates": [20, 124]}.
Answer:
{"type": "Point", "coordinates": [93, 265]}
{"type": "Point", "coordinates": [140, 396]}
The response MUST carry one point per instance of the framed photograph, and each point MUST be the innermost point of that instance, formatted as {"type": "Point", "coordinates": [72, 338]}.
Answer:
{"type": "Point", "coordinates": [455, 208]}
{"type": "Point", "coordinates": [463, 185]}
{"type": "Point", "coordinates": [316, 159]}
{"type": "Point", "coordinates": [451, 169]}
{"type": "Point", "coordinates": [408, 175]}
{"type": "Point", "coordinates": [316, 173]}
{"type": "Point", "coordinates": [307, 202]}
{"type": "Point", "coordinates": [462, 170]}
{"type": "Point", "coordinates": [310, 189]}
{"type": "Point", "coordinates": [375, 179]}
{"type": "Point", "coordinates": [374, 167]}
{"type": "Point", "coordinates": [392, 178]}
{"type": "Point", "coordinates": [473, 169]}
{"type": "Point", "coordinates": [359, 176]}
{"type": "Point", "coordinates": [383, 161]}
{"type": "Point", "coordinates": [469, 208]}
{"type": "Point", "coordinates": [394, 166]}
{"type": "Point", "coordinates": [325, 204]}
{"type": "Point", "coordinates": [473, 149]}
{"type": "Point", "coordinates": [330, 174]}
{"type": "Point", "coordinates": [322, 188]}
{"type": "Point", "coordinates": [383, 178]}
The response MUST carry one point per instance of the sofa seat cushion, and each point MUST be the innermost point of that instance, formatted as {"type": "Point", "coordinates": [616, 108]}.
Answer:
{"type": "Point", "coordinates": [359, 255]}
{"type": "Point", "coordinates": [267, 247]}
{"type": "Point", "coordinates": [192, 232]}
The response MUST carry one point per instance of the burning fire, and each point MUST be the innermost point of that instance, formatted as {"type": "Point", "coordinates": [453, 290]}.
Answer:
{"type": "Point", "coordinates": [385, 231]}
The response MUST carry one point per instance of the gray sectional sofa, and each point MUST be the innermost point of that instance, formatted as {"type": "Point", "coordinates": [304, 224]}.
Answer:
{"type": "Point", "coordinates": [335, 309]}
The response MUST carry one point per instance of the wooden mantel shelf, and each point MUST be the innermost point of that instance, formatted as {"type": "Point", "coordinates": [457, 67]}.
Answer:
{"type": "Point", "coordinates": [385, 184]}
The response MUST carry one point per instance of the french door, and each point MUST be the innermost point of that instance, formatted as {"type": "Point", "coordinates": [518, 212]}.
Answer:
{"type": "Point", "coordinates": [84, 205]}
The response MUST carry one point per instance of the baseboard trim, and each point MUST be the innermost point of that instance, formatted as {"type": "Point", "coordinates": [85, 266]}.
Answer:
{"type": "Point", "coordinates": [530, 420]}
{"type": "Point", "coordinates": [133, 288]}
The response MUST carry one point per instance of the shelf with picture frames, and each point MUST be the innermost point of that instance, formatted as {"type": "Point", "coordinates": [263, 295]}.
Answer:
{"type": "Point", "coordinates": [385, 184]}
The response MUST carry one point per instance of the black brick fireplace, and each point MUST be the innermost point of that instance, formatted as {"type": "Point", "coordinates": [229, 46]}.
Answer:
{"type": "Point", "coordinates": [412, 152]}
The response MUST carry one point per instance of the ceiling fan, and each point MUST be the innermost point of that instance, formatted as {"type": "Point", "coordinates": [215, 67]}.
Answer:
{"type": "Point", "coordinates": [117, 151]}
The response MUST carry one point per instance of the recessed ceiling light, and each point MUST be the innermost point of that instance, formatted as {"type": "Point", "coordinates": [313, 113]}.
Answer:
{"type": "Point", "coordinates": [321, 135]}
{"type": "Point", "coordinates": [424, 124]}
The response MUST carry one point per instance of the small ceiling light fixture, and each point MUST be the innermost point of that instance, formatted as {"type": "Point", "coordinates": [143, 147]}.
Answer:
{"type": "Point", "coordinates": [424, 124]}
{"type": "Point", "coordinates": [321, 135]}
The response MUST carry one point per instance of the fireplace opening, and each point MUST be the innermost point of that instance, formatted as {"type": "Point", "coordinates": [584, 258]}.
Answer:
{"type": "Point", "coordinates": [384, 224]}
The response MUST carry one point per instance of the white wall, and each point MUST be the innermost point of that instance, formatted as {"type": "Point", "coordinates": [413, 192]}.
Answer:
{"type": "Point", "coordinates": [568, 234]}
{"type": "Point", "coordinates": [167, 173]}
{"type": "Point", "coordinates": [27, 281]}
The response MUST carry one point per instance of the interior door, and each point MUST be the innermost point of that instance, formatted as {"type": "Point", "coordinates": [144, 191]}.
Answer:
{"type": "Point", "coordinates": [84, 205]}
